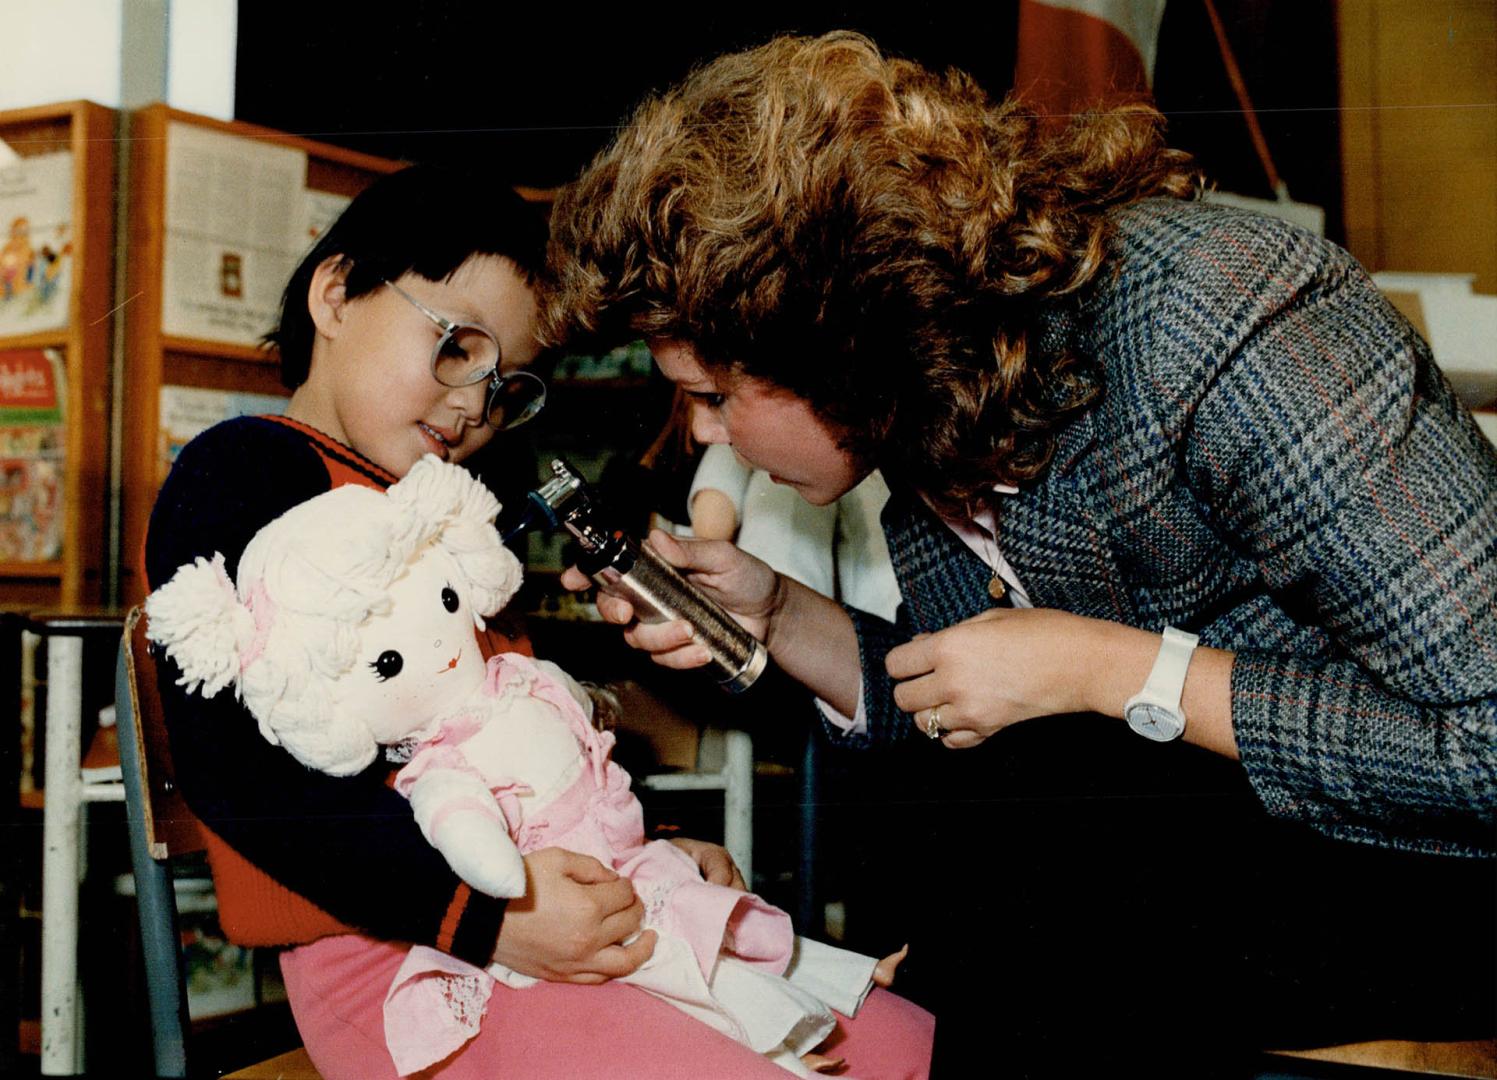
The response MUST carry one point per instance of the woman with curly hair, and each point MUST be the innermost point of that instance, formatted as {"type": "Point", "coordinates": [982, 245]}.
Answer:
{"type": "Point", "coordinates": [1182, 510]}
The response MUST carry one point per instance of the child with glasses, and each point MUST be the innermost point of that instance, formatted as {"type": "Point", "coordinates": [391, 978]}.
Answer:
{"type": "Point", "coordinates": [398, 338]}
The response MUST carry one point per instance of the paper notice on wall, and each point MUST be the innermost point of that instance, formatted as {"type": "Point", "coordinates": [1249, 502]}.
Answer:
{"type": "Point", "coordinates": [33, 395]}
{"type": "Point", "coordinates": [188, 411]}
{"type": "Point", "coordinates": [234, 213]}
{"type": "Point", "coordinates": [36, 243]}
{"type": "Point", "coordinates": [319, 210]}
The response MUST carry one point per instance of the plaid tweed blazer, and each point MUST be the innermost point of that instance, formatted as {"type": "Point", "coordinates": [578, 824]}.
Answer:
{"type": "Point", "coordinates": [1275, 464]}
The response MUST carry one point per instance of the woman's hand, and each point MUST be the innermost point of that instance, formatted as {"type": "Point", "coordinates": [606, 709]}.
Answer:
{"type": "Point", "coordinates": [809, 636]}
{"type": "Point", "coordinates": [713, 860]}
{"type": "Point", "coordinates": [1001, 667]}
{"type": "Point", "coordinates": [569, 925]}
{"type": "Point", "coordinates": [1008, 665]}
{"type": "Point", "coordinates": [747, 588]}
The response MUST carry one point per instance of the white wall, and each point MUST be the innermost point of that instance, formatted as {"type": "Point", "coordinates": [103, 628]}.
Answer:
{"type": "Point", "coordinates": [200, 60]}
{"type": "Point", "coordinates": [57, 50]}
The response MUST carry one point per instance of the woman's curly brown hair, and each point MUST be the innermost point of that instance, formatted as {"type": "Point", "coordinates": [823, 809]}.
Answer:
{"type": "Point", "coordinates": [867, 234]}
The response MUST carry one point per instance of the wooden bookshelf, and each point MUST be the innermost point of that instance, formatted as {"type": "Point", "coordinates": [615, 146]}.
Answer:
{"type": "Point", "coordinates": [155, 358]}
{"type": "Point", "coordinates": [88, 132]}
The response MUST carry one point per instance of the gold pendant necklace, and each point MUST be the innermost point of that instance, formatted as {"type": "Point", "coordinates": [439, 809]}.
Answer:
{"type": "Point", "coordinates": [997, 588]}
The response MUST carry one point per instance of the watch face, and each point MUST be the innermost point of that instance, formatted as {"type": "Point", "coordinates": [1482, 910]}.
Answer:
{"type": "Point", "coordinates": [1155, 722]}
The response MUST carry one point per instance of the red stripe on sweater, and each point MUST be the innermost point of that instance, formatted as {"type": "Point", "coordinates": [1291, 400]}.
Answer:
{"type": "Point", "coordinates": [453, 917]}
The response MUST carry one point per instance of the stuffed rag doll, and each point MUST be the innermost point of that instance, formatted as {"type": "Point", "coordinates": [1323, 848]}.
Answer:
{"type": "Point", "coordinates": [352, 628]}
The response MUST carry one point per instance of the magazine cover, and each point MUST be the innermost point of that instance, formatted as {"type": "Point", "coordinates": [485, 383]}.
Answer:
{"type": "Point", "coordinates": [32, 396]}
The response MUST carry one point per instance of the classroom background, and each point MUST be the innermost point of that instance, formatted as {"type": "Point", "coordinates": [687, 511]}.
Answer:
{"type": "Point", "coordinates": [164, 163]}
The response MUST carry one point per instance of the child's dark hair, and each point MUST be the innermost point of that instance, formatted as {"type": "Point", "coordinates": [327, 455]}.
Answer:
{"type": "Point", "coordinates": [426, 220]}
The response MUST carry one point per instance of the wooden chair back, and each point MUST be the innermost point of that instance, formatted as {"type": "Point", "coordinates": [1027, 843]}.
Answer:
{"type": "Point", "coordinates": [171, 828]}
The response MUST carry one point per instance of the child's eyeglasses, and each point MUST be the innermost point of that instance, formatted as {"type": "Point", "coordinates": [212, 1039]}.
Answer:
{"type": "Point", "coordinates": [466, 354]}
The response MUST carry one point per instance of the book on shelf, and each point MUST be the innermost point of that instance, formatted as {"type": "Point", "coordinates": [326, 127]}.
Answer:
{"type": "Point", "coordinates": [36, 243]}
{"type": "Point", "coordinates": [32, 440]}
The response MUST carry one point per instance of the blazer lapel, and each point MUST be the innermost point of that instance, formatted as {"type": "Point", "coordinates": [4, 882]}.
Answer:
{"type": "Point", "coordinates": [1052, 531]}
{"type": "Point", "coordinates": [941, 581]}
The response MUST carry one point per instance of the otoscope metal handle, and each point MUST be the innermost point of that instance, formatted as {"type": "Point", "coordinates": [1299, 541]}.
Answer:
{"type": "Point", "coordinates": [658, 592]}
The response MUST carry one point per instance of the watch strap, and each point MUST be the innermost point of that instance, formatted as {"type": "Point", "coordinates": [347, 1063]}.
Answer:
{"type": "Point", "coordinates": [1166, 682]}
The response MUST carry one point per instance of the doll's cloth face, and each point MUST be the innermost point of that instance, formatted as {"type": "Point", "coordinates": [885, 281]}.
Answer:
{"type": "Point", "coordinates": [420, 659]}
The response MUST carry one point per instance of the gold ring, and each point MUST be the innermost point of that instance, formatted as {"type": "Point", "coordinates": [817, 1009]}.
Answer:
{"type": "Point", "coordinates": [933, 728]}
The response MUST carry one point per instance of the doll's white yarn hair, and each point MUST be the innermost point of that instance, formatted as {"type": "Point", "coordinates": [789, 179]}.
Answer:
{"type": "Point", "coordinates": [289, 629]}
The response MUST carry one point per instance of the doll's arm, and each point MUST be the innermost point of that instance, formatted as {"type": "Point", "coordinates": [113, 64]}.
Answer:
{"type": "Point", "coordinates": [715, 500]}
{"type": "Point", "coordinates": [460, 817]}
{"type": "Point", "coordinates": [713, 515]}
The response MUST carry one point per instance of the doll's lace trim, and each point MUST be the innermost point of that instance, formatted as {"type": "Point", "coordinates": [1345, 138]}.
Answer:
{"type": "Point", "coordinates": [400, 753]}
{"type": "Point", "coordinates": [466, 997]}
{"type": "Point", "coordinates": [403, 751]}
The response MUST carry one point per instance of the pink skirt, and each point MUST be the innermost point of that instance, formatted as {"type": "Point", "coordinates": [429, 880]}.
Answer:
{"type": "Point", "coordinates": [558, 1031]}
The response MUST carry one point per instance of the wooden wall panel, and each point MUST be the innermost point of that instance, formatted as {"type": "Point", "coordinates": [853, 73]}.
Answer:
{"type": "Point", "coordinates": [1419, 135]}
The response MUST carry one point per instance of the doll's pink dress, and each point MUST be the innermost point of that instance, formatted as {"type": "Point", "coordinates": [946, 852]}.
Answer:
{"type": "Point", "coordinates": [723, 956]}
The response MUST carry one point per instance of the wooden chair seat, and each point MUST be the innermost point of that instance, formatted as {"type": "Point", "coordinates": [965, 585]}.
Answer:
{"type": "Point", "coordinates": [1470, 1059]}
{"type": "Point", "coordinates": [292, 1065]}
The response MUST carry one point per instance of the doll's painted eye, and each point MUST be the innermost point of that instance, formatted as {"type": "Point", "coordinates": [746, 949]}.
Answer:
{"type": "Point", "coordinates": [449, 598]}
{"type": "Point", "coordinates": [387, 665]}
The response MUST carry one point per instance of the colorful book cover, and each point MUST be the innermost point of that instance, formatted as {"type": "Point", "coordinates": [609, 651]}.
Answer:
{"type": "Point", "coordinates": [33, 394]}
{"type": "Point", "coordinates": [36, 243]}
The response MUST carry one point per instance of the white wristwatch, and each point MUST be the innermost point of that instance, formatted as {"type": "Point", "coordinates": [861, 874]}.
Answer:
{"type": "Point", "coordinates": [1154, 712]}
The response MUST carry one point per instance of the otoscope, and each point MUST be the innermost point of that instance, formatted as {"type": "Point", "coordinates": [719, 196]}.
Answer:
{"type": "Point", "coordinates": [632, 570]}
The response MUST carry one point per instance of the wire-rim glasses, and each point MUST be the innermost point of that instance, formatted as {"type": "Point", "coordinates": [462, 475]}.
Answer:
{"type": "Point", "coordinates": [466, 354]}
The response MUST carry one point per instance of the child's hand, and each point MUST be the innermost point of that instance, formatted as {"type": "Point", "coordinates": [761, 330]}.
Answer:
{"type": "Point", "coordinates": [716, 864]}
{"type": "Point", "coordinates": [568, 925]}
